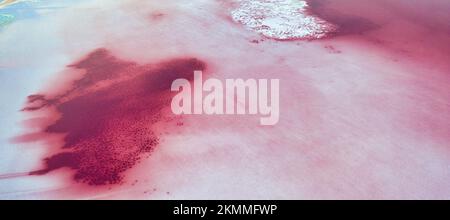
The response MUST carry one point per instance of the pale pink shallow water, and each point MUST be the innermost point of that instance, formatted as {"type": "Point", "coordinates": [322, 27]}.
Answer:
{"type": "Point", "coordinates": [364, 110]}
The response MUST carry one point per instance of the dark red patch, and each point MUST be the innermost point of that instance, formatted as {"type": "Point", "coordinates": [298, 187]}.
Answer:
{"type": "Point", "coordinates": [156, 16]}
{"type": "Point", "coordinates": [109, 115]}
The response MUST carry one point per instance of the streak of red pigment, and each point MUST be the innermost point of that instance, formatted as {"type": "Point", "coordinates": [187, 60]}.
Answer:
{"type": "Point", "coordinates": [108, 116]}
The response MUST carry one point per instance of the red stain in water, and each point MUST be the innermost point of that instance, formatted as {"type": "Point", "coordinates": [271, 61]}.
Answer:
{"type": "Point", "coordinates": [347, 24]}
{"type": "Point", "coordinates": [108, 116]}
